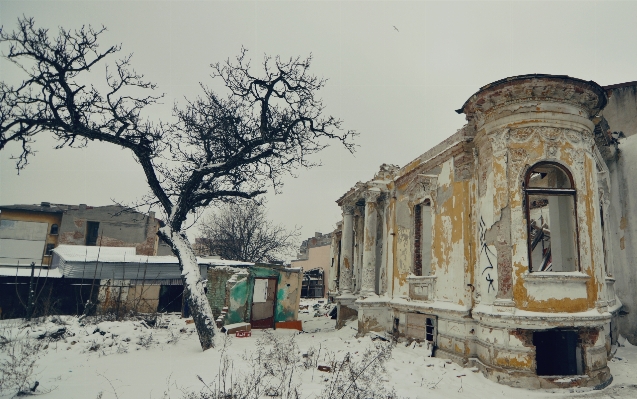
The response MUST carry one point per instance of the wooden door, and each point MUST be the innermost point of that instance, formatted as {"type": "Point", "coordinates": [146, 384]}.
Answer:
{"type": "Point", "coordinates": [263, 303]}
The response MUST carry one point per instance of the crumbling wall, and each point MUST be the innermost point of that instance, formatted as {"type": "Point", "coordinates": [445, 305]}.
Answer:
{"type": "Point", "coordinates": [116, 229]}
{"type": "Point", "coordinates": [288, 296]}
{"type": "Point", "coordinates": [623, 227]}
{"type": "Point", "coordinates": [451, 257]}
{"type": "Point", "coordinates": [217, 280]}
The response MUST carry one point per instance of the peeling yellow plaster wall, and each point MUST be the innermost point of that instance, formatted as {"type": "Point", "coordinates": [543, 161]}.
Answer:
{"type": "Point", "coordinates": [451, 253]}
{"type": "Point", "coordinates": [586, 200]}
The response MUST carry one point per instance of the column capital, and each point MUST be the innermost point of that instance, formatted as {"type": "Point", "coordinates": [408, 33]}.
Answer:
{"type": "Point", "coordinates": [348, 209]}
{"type": "Point", "coordinates": [371, 195]}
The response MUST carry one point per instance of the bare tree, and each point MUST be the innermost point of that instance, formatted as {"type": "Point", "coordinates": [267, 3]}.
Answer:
{"type": "Point", "coordinates": [217, 149]}
{"type": "Point", "coordinates": [242, 231]}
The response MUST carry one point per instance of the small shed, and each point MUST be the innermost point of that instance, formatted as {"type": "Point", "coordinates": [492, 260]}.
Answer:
{"type": "Point", "coordinates": [260, 294]}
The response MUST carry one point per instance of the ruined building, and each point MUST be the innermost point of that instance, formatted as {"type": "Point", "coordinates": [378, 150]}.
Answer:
{"type": "Point", "coordinates": [28, 233]}
{"type": "Point", "coordinates": [315, 259]}
{"type": "Point", "coordinates": [501, 245]}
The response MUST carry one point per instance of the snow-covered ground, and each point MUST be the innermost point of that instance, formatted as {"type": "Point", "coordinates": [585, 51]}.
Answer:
{"type": "Point", "coordinates": [133, 360]}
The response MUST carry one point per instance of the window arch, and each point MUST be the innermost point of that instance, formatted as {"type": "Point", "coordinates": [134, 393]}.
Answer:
{"type": "Point", "coordinates": [54, 229]}
{"type": "Point", "coordinates": [551, 216]}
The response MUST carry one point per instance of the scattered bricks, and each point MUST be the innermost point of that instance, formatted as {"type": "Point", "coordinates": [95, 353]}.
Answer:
{"type": "Point", "coordinates": [233, 328]}
{"type": "Point", "coordinates": [190, 321]}
{"type": "Point", "coordinates": [292, 325]}
{"type": "Point", "coordinates": [243, 334]}
{"type": "Point", "coordinates": [324, 368]}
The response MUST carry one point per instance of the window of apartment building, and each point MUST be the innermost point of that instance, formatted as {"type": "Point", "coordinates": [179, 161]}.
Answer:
{"type": "Point", "coordinates": [49, 249]}
{"type": "Point", "coordinates": [92, 231]}
{"type": "Point", "coordinates": [54, 229]}
{"type": "Point", "coordinates": [551, 219]}
{"type": "Point", "coordinates": [422, 239]}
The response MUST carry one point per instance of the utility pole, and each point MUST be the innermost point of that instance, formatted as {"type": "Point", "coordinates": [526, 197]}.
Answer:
{"type": "Point", "coordinates": [30, 303]}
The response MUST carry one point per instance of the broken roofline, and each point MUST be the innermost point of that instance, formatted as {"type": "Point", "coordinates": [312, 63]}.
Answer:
{"type": "Point", "coordinates": [493, 87]}
{"type": "Point", "coordinates": [453, 144]}
{"type": "Point", "coordinates": [447, 148]}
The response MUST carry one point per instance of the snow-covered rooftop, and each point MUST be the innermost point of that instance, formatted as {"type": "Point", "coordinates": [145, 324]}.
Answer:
{"type": "Point", "coordinates": [81, 253]}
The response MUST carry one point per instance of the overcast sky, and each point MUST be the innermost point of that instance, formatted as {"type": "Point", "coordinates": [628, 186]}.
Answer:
{"type": "Point", "coordinates": [396, 70]}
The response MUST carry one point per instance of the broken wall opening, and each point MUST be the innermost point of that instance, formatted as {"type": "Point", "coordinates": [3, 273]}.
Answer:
{"type": "Point", "coordinates": [421, 327]}
{"type": "Point", "coordinates": [557, 353]}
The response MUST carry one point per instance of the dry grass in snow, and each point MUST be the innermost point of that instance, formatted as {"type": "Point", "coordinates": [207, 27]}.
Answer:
{"type": "Point", "coordinates": [70, 359]}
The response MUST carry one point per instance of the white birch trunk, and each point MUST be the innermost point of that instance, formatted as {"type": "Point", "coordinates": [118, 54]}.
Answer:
{"type": "Point", "coordinates": [193, 286]}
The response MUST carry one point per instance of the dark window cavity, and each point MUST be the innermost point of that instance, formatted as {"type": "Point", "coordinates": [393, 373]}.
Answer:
{"type": "Point", "coordinates": [92, 231]}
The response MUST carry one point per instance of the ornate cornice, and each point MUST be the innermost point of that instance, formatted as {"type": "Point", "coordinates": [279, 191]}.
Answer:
{"type": "Point", "coordinates": [586, 95]}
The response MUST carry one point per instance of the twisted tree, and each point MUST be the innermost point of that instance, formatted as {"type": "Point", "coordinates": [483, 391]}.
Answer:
{"type": "Point", "coordinates": [215, 150]}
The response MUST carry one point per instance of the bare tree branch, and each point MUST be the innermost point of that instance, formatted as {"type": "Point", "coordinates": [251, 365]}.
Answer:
{"type": "Point", "coordinates": [242, 231]}
{"type": "Point", "coordinates": [217, 150]}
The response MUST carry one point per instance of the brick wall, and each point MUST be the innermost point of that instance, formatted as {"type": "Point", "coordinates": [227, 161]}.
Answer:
{"type": "Point", "coordinates": [217, 278]}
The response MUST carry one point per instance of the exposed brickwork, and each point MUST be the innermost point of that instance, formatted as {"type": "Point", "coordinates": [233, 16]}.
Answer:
{"type": "Point", "coordinates": [217, 279]}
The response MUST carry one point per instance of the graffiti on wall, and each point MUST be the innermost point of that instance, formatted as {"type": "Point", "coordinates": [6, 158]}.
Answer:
{"type": "Point", "coordinates": [484, 249]}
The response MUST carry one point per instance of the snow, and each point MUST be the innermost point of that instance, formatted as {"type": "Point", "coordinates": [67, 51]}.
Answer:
{"type": "Point", "coordinates": [80, 253]}
{"type": "Point", "coordinates": [26, 272]}
{"type": "Point", "coordinates": [144, 362]}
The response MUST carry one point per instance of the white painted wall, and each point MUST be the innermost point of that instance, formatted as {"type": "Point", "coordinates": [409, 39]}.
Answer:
{"type": "Point", "coordinates": [22, 242]}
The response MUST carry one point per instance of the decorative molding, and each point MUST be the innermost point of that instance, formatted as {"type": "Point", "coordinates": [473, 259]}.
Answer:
{"type": "Point", "coordinates": [549, 134]}
{"type": "Point", "coordinates": [348, 209]}
{"type": "Point", "coordinates": [492, 100]}
{"type": "Point", "coordinates": [371, 195]}
{"type": "Point", "coordinates": [499, 141]}
{"type": "Point", "coordinates": [422, 288]}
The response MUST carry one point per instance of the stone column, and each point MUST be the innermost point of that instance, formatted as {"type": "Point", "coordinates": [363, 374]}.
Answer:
{"type": "Point", "coordinates": [347, 242]}
{"type": "Point", "coordinates": [368, 285]}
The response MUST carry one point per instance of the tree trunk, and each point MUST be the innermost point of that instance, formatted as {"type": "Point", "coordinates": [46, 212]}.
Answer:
{"type": "Point", "coordinates": [193, 286]}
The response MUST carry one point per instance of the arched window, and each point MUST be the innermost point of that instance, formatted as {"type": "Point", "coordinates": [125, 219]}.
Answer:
{"type": "Point", "coordinates": [551, 218]}
{"type": "Point", "coordinates": [54, 229]}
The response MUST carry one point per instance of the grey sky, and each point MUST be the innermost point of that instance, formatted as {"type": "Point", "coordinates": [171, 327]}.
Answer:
{"type": "Point", "coordinates": [399, 89]}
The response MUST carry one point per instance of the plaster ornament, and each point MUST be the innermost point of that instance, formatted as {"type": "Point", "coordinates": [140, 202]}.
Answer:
{"type": "Point", "coordinates": [348, 209]}
{"type": "Point", "coordinates": [371, 195]}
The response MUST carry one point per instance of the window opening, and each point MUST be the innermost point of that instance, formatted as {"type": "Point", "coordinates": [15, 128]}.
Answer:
{"type": "Point", "coordinates": [601, 216]}
{"type": "Point", "coordinates": [551, 218]}
{"type": "Point", "coordinates": [429, 330]}
{"type": "Point", "coordinates": [417, 239]}
{"type": "Point", "coordinates": [49, 249]}
{"type": "Point", "coordinates": [92, 231]}
{"type": "Point", "coordinates": [425, 242]}
{"type": "Point", "coordinates": [422, 239]}
{"type": "Point", "coordinates": [557, 352]}
{"type": "Point", "coordinates": [54, 229]}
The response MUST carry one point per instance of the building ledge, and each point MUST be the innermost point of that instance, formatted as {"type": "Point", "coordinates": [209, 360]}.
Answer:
{"type": "Point", "coordinates": [487, 314]}
{"type": "Point", "coordinates": [566, 277]}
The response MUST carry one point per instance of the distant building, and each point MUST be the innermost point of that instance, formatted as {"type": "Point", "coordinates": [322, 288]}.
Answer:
{"type": "Point", "coordinates": [315, 253]}
{"type": "Point", "coordinates": [28, 233]}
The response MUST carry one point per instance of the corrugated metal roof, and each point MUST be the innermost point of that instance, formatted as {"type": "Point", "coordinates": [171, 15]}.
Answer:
{"type": "Point", "coordinates": [81, 253]}
{"type": "Point", "coordinates": [26, 272]}
{"type": "Point", "coordinates": [85, 262]}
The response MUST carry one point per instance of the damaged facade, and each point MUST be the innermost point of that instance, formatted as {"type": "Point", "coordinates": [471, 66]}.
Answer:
{"type": "Point", "coordinates": [496, 245]}
{"type": "Point", "coordinates": [315, 259]}
{"type": "Point", "coordinates": [28, 233]}
{"type": "Point", "coordinates": [265, 296]}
